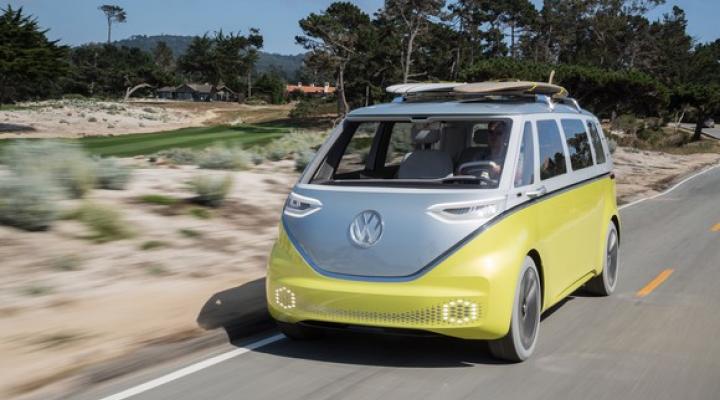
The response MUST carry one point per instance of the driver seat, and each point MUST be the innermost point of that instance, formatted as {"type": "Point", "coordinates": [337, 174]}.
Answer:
{"type": "Point", "coordinates": [476, 153]}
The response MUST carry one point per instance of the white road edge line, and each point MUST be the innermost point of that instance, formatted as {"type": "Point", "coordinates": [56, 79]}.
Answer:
{"type": "Point", "coordinates": [670, 189]}
{"type": "Point", "coordinates": [191, 369]}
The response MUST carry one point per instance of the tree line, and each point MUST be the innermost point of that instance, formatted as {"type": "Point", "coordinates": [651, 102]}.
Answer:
{"type": "Point", "coordinates": [608, 53]}
{"type": "Point", "coordinates": [34, 67]}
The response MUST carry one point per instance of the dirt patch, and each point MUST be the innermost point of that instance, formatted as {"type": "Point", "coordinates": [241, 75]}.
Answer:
{"type": "Point", "coordinates": [81, 118]}
{"type": "Point", "coordinates": [642, 173]}
{"type": "Point", "coordinates": [68, 303]}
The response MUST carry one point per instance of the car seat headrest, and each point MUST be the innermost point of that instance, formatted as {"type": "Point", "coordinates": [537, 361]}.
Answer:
{"type": "Point", "coordinates": [425, 133]}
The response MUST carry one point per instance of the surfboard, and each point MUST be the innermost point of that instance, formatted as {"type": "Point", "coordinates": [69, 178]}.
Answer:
{"type": "Point", "coordinates": [511, 86]}
{"type": "Point", "coordinates": [405, 88]}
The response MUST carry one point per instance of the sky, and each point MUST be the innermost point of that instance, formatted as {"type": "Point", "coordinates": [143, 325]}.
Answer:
{"type": "Point", "coordinates": [75, 22]}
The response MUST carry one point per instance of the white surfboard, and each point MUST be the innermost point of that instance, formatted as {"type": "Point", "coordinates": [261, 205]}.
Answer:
{"type": "Point", "coordinates": [512, 86]}
{"type": "Point", "coordinates": [406, 88]}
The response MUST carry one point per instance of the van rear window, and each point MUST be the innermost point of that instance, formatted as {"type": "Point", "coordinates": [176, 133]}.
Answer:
{"type": "Point", "coordinates": [578, 144]}
{"type": "Point", "coordinates": [597, 143]}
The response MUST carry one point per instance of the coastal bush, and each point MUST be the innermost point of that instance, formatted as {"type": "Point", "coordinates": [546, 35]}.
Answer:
{"type": "Point", "coordinates": [211, 190]}
{"type": "Point", "coordinates": [179, 156]}
{"type": "Point", "coordinates": [27, 202]}
{"type": "Point", "coordinates": [217, 157]}
{"type": "Point", "coordinates": [293, 144]}
{"type": "Point", "coordinates": [105, 223]}
{"type": "Point", "coordinates": [303, 159]}
{"type": "Point", "coordinates": [65, 164]}
{"type": "Point", "coordinates": [111, 174]}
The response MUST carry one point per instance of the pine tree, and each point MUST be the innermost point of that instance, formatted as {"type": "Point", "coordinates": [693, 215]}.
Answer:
{"type": "Point", "coordinates": [30, 64]}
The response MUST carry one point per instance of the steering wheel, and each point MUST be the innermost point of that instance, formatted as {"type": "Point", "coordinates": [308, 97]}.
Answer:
{"type": "Point", "coordinates": [477, 168]}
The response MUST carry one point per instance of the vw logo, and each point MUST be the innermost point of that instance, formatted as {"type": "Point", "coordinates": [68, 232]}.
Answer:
{"type": "Point", "coordinates": [366, 228]}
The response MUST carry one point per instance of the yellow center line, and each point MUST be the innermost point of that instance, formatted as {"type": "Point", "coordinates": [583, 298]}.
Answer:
{"type": "Point", "coordinates": [653, 284]}
{"type": "Point", "coordinates": [716, 228]}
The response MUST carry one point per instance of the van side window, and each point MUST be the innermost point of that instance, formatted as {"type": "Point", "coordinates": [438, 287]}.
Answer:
{"type": "Point", "coordinates": [597, 144]}
{"type": "Point", "coordinates": [578, 144]}
{"type": "Point", "coordinates": [552, 155]}
{"type": "Point", "coordinates": [356, 154]}
{"type": "Point", "coordinates": [525, 172]}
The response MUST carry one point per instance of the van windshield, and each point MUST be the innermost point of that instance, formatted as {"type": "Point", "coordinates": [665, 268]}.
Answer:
{"type": "Point", "coordinates": [400, 153]}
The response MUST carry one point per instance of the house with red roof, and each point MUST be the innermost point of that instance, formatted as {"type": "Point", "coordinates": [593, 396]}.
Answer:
{"type": "Point", "coordinates": [311, 89]}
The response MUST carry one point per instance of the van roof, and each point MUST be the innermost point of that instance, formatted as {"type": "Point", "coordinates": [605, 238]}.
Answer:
{"type": "Point", "coordinates": [462, 108]}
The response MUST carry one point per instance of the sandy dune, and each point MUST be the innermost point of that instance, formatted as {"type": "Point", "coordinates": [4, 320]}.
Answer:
{"type": "Point", "coordinates": [79, 118]}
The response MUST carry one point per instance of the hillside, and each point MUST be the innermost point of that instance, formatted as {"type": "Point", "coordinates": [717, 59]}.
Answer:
{"type": "Point", "coordinates": [287, 65]}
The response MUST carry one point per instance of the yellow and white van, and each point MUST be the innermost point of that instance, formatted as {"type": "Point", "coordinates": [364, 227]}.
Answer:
{"type": "Point", "coordinates": [455, 211]}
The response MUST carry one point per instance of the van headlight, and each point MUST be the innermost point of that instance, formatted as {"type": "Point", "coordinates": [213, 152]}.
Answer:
{"type": "Point", "coordinates": [301, 206]}
{"type": "Point", "coordinates": [468, 211]}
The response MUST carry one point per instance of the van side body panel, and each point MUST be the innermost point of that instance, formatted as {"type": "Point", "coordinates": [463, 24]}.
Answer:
{"type": "Point", "coordinates": [572, 226]}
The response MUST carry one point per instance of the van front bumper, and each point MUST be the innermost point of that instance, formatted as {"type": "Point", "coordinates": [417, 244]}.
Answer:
{"type": "Point", "coordinates": [461, 297]}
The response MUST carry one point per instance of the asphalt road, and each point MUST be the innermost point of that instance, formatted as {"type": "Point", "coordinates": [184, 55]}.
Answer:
{"type": "Point", "coordinates": [712, 132]}
{"type": "Point", "coordinates": [661, 346]}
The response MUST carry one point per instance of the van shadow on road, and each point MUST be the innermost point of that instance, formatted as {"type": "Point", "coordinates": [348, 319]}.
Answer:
{"type": "Point", "coordinates": [241, 310]}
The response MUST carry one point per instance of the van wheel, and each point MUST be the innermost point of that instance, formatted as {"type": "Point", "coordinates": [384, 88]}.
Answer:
{"type": "Point", "coordinates": [298, 332]}
{"type": "Point", "coordinates": [605, 283]}
{"type": "Point", "coordinates": [520, 341]}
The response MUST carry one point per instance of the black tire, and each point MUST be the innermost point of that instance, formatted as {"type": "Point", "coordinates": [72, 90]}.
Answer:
{"type": "Point", "coordinates": [520, 341]}
{"type": "Point", "coordinates": [605, 283]}
{"type": "Point", "coordinates": [298, 332]}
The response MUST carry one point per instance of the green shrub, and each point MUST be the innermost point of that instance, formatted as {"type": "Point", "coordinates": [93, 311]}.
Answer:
{"type": "Point", "coordinates": [257, 157]}
{"type": "Point", "coordinates": [653, 123]}
{"type": "Point", "coordinates": [293, 144]}
{"type": "Point", "coordinates": [67, 263]}
{"type": "Point", "coordinates": [190, 233]}
{"type": "Point", "coordinates": [628, 124]}
{"type": "Point", "coordinates": [211, 190]}
{"type": "Point", "coordinates": [65, 163]}
{"type": "Point", "coordinates": [310, 107]}
{"type": "Point", "coordinates": [73, 96]}
{"type": "Point", "coordinates": [255, 101]}
{"type": "Point", "coordinates": [158, 199]}
{"type": "Point", "coordinates": [156, 269]}
{"type": "Point", "coordinates": [111, 174]}
{"type": "Point", "coordinates": [27, 202]}
{"type": "Point", "coordinates": [200, 213]}
{"type": "Point", "coordinates": [652, 136]}
{"type": "Point", "coordinates": [152, 244]}
{"type": "Point", "coordinates": [36, 290]}
{"type": "Point", "coordinates": [217, 157]}
{"type": "Point", "coordinates": [302, 109]}
{"type": "Point", "coordinates": [106, 223]}
{"type": "Point", "coordinates": [275, 151]}
{"type": "Point", "coordinates": [179, 156]}
{"type": "Point", "coordinates": [303, 159]}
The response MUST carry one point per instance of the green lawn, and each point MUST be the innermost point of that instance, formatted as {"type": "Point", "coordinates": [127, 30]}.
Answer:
{"type": "Point", "coordinates": [197, 138]}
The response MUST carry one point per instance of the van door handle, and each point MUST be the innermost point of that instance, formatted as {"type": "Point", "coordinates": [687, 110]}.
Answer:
{"type": "Point", "coordinates": [537, 192]}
